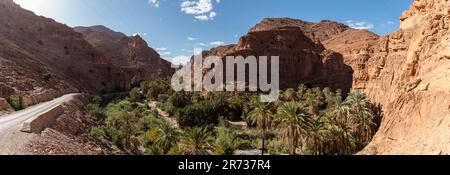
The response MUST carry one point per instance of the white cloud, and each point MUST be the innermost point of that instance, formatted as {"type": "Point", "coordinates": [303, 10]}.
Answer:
{"type": "Point", "coordinates": [192, 38]}
{"type": "Point", "coordinates": [201, 9]}
{"type": "Point", "coordinates": [212, 44]}
{"type": "Point", "coordinates": [154, 3]}
{"type": "Point", "coordinates": [179, 60]}
{"type": "Point", "coordinates": [188, 50]}
{"type": "Point", "coordinates": [360, 25]}
{"type": "Point", "coordinates": [203, 44]}
{"type": "Point", "coordinates": [217, 43]}
{"type": "Point", "coordinates": [140, 34]}
{"type": "Point", "coordinates": [202, 17]}
{"type": "Point", "coordinates": [161, 49]}
{"type": "Point", "coordinates": [196, 7]}
{"type": "Point", "coordinates": [165, 53]}
{"type": "Point", "coordinates": [212, 15]}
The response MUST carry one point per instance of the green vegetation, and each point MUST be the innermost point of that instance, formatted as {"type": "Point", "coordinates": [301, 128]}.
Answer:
{"type": "Point", "coordinates": [95, 109]}
{"type": "Point", "coordinates": [304, 121]}
{"type": "Point", "coordinates": [261, 116]}
{"type": "Point", "coordinates": [16, 102]}
{"type": "Point", "coordinates": [47, 76]}
{"type": "Point", "coordinates": [166, 137]}
{"type": "Point", "coordinates": [196, 141]}
{"type": "Point", "coordinates": [135, 95]}
{"type": "Point", "coordinates": [226, 141]}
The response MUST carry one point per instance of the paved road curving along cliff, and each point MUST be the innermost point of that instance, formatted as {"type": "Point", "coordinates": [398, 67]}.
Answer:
{"type": "Point", "coordinates": [10, 136]}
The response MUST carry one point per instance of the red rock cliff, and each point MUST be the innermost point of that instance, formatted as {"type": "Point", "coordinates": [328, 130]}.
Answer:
{"type": "Point", "coordinates": [31, 46]}
{"type": "Point", "coordinates": [131, 54]}
{"type": "Point", "coordinates": [408, 73]}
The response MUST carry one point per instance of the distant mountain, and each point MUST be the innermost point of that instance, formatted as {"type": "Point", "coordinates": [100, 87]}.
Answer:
{"type": "Point", "coordinates": [303, 58]}
{"type": "Point", "coordinates": [41, 59]}
{"type": "Point", "coordinates": [321, 31]}
{"type": "Point", "coordinates": [131, 54]}
{"type": "Point", "coordinates": [32, 46]}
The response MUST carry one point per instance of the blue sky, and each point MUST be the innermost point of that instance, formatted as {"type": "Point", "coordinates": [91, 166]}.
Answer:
{"type": "Point", "coordinates": [175, 27]}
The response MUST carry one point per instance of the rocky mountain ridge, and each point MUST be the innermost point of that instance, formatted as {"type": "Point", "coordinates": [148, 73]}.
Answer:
{"type": "Point", "coordinates": [303, 58]}
{"type": "Point", "coordinates": [41, 59]}
{"type": "Point", "coordinates": [131, 54]}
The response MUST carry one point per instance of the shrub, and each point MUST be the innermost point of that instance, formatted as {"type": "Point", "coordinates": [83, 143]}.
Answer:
{"type": "Point", "coordinates": [277, 147]}
{"type": "Point", "coordinates": [47, 76]}
{"type": "Point", "coordinates": [199, 114]}
{"type": "Point", "coordinates": [170, 109]}
{"type": "Point", "coordinates": [144, 85]}
{"type": "Point", "coordinates": [141, 111]}
{"type": "Point", "coordinates": [167, 107]}
{"type": "Point", "coordinates": [115, 136]}
{"type": "Point", "coordinates": [16, 102]}
{"type": "Point", "coordinates": [177, 150]}
{"type": "Point", "coordinates": [158, 87]}
{"type": "Point", "coordinates": [178, 100]}
{"type": "Point", "coordinates": [96, 132]}
{"type": "Point", "coordinates": [135, 95]}
{"type": "Point", "coordinates": [236, 107]}
{"type": "Point", "coordinates": [122, 121]}
{"type": "Point", "coordinates": [154, 150]}
{"type": "Point", "coordinates": [163, 97]}
{"type": "Point", "coordinates": [97, 100]}
{"type": "Point", "coordinates": [225, 142]}
{"type": "Point", "coordinates": [96, 111]}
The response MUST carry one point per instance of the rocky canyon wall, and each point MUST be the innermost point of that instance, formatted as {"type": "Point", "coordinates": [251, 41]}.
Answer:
{"type": "Point", "coordinates": [407, 72]}
{"type": "Point", "coordinates": [130, 53]}
{"type": "Point", "coordinates": [303, 59]}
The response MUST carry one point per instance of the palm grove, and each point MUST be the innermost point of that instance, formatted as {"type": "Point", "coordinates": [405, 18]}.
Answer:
{"type": "Point", "coordinates": [303, 121]}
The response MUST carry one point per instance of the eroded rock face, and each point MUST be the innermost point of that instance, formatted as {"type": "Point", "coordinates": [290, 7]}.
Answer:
{"type": "Point", "coordinates": [303, 59]}
{"type": "Point", "coordinates": [321, 31]}
{"type": "Point", "coordinates": [31, 46]}
{"type": "Point", "coordinates": [4, 105]}
{"type": "Point", "coordinates": [131, 54]}
{"type": "Point", "coordinates": [408, 73]}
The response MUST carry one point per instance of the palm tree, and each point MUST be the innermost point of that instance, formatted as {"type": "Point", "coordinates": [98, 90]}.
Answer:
{"type": "Point", "coordinates": [361, 117]}
{"type": "Point", "coordinates": [220, 99]}
{"type": "Point", "coordinates": [329, 96]}
{"type": "Point", "coordinates": [261, 115]}
{"type": "Point", "coordinates": [316, 134]}
{"type": "Point", "coordinates": [167, 137]}
{"type": "Point", "coordinates": [314, 99]}
{"type": "Point", "coordinates": [196, 141]}
{"type": "Point", "coordinates": [301, 91]}
{"type": "Point", "coordinates": [338, 118]}
{"type": "Point", "coordinates": [293, 120]}
{"type": "Point", "coordinates": [289, 95]}
{"type": "Point", "coordinates": [120, 116]}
